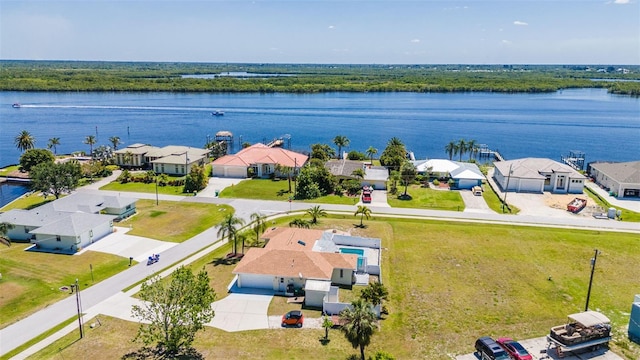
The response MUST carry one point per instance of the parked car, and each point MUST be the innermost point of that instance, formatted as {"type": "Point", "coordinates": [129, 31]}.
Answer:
{"type": "Point", "coordinates": [514, 349]}
{"type": "Point", "coordinates": [293, 318]}
{"type": "Point", "coordinates": [488, 349]}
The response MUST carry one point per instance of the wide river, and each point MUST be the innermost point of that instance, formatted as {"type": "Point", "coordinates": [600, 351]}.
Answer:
{"type": "Point", "coordinates": [604, 126]}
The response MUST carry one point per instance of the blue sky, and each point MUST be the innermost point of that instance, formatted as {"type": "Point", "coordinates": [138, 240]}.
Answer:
{"type": "Point", "coordinates": [347, 31]}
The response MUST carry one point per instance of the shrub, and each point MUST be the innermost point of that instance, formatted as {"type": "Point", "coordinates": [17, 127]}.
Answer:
{"type": "Point", "coordinates": [436, 182]}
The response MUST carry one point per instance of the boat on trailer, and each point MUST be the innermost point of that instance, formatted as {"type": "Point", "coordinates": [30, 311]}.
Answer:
{"type": "Point", "coordinates": [585, 330]}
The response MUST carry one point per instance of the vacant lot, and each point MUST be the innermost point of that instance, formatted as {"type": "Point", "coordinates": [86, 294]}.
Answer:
{"type": "Point", "coordinates": [264, 189]}
{"type": "Point", "coordinates": [31, 281]}
{"type": "Point", "coordinates": [426, 198]}
{"type": "Point", "coordinates": [449, 283]}
{"type": "Point", "coordinates": [174, 221]}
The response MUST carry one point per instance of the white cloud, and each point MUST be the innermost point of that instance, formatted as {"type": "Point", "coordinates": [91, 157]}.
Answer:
{"type": "Point", "coordinates": [520, 23]}
{"type": "Point", "coordinates": [622, 2]}
{"type": "Point", "coordinates": [415, 41]}
{"type": "Point", "coordinates": [331, 27]}
{"type": "Point", "coordinates": [506, 42]}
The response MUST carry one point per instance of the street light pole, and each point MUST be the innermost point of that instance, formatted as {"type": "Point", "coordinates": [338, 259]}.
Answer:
{"type": "Point", "coordinates": [593, 268]}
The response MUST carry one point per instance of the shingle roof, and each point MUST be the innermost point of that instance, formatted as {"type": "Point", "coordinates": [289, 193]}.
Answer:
{"type": "Point", "coordinates": [343, 167]}
{"type": "Point", "coordinates": [262, 154]}
{"type": "Point", "coordinates": [624, 172]}
{"type": "Point", "coordinates": [136, 149]}
{"type": "Point", "coordinates": [73, 224]}
{"type": "Point", "coordinates": [90, 203]}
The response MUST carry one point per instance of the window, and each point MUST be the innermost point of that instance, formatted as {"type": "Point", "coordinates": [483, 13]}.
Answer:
{"type": "Point", "coordinates": [547, 179]}
{"type": "Point", "coordinates": [341, 272]}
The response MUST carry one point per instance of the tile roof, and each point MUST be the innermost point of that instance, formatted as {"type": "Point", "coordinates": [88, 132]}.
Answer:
{"type": "Point", "coordinates": [531, 168]}
{"type": "Point", "coordinates": [262, 154]}
{"type": "Point", "coordinates": [625, 172]}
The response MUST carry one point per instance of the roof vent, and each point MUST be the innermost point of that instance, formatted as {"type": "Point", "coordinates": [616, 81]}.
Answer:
{"type": "Point", "coordinates": [302, 243]}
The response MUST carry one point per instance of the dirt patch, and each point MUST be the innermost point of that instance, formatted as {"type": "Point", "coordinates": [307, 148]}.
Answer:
{"type": "Point", "coordinates": [560, 201]}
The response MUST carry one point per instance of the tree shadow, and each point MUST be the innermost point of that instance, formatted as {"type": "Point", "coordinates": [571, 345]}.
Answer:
{"type": "Point", "coordinates": [363, 226]}
{"type": "Point", "coordinates": [158, 353]}
{"type": "Point", "coordinates": [404, 197]}
{"type": "Point", "coordinates": [324, 341]}
{"type": "Point", "coordinates": [227, 260]}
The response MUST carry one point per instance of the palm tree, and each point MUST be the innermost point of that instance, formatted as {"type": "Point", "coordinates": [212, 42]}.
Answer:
{"type": "Point", "coordinates": [341, 141]}
{"type": "Point", "coordinates": [127, 159]}
{"type": "Point", "coordinates": [316, 212]}
{"type": "Point", "coordinates": [462, 148]}
{"type": "Point", "coordinates": [4, 230]}
{"type": "Point", "coordinates": [360, 323]}
{"type": "Point", "coordinates": [408, 174]}
{"type": "Point", "coordinates": [24, 141]}
{"type": "Point", "coordinates": [228, 229]}
{"type": "Point", "coordinates": [115, 141]}
{"type": "Point", "coordinates": [394, 178]}
{"type": "Point", "coordinates": [472, 147]}
{"type": "Point", "coordinates": [90, 140]}
{"type": "Point", "coordinates": [358, 173]}
{"type": "Point", "coordinates": [286, 170]}
{"type": "Point", "coordinates": [450, 148]}
{"type": "Point", "coordinates": [259, 225]}
{"type": "Point", "coordinates": [371, 151]}
{"type": "Point", "coordinates": [363, 211]}
{"type": "Point", "coordinates": [53, 143]}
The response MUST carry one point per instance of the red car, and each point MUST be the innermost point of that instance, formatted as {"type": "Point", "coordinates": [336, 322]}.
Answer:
{"type": "Point", "coordinates": [293, 318]}
{"type": "Point", "coordinates": [514, 349]}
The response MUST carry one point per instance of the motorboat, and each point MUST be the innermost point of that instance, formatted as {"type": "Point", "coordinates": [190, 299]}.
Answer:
{"type": "Point", "coordinates": [589, 329]}
{"type": "Point", "coordinates": [16, 105]}
{"type": "Point", "coordinates": [217, 113]}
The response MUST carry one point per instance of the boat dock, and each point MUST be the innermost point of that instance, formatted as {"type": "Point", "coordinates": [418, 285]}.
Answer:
{"type": "Point", "coordinates": [484, 151]}
{"type": "Point", "coordinates": [575, 159]}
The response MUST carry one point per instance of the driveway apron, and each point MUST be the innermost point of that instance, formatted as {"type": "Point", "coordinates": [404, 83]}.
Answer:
{"type": "Point", "coordinates": [240, 312]}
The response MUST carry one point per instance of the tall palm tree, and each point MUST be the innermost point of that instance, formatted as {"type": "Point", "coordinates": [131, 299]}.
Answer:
{"type": "Point", "coordinates": [450, 149]}
{"type": "Point", "coordinates": [90, 140]}
{"type": "Point", "coordinates": [359, 324]}
{"type": "Point", "coordinates": [315, 213]}
{"type": "Point", "coordinates": [286, 170]}
{"type": "Point", "coordinates": [472, 147]}
{"type": "Point", "coordinates": [371, 151]}
{"type": "Point", "coordinates": [462, 148]}
{"type": "Point", "coordinates": [115, 141]}
{"type": "Point", "coordinates": [228, 228]}
{"type": "Point", "coordinates": [53, 144]}
{"type": "Point", "coordinates": [341, 141]}
{"type": "Point", "coordinates": [24, 141]}
{"type": "Point", "coordinates": [4, 230]}
{"type": "Point", "coordinates": [259, 225]}
{"type": "Point", "coordinates": [363, 211]}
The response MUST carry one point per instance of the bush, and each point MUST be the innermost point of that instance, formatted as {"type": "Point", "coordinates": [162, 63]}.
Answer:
{"type": "Point", "coordinates": [356, 155]}
{"type": "Point", "coordinates": [352, 187]}
{"type": "Point", "coordinates": [436, 182]}
{"type": "Point", "coordinates": [33, 157]}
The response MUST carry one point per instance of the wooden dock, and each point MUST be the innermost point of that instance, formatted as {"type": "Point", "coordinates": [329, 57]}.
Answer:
{"type": "Point", "coordinates": [484, 151]}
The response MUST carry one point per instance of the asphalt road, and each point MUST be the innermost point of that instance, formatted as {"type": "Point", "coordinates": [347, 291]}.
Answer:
{"type": "Point", "coordinates": [24, 330]}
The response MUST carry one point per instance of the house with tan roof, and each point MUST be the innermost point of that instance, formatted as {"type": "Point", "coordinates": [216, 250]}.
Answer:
{"type": "Point", "coordinates": [307, 259]}
{"type": "Point", "coordinates": [538, 175]}
{"type": "Point", "coordinates": [171, 159]}
{"type": "Point", "coordinates": [621, 179]}
{"type": "Point", "coordinates": [260, 159]}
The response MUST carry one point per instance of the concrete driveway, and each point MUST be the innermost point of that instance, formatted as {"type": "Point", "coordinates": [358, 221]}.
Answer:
{"type": "Point", "coordinates": [217, 184]}
{"type": "Point", "coordinates": [473, 203]}
{"type": "Point", "coordinates": [121, 244]}
{"type": "Point", "coordinates": [240, 312]}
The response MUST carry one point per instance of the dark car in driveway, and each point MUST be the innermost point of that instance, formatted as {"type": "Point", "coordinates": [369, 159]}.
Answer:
{"type": "Point", "coordinates": [488, 349]}
{"type": "Point", "coordinates": [293, 318]}
{"type": "Point", "coordinates": [514, 349]}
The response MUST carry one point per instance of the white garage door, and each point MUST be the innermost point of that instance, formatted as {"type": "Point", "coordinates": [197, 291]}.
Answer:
{"type": "Point", "coordinates": [255, 281]}
{"type": "Point", "coordinates": [530, 185]}
{"type": "Point", "coordinates": [467, 183]}
{"type": "Point", "coordinates": [229, 171]}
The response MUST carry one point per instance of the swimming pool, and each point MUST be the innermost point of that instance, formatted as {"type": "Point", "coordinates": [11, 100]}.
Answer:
{"type": "Point", "coordinates": [359, 252]}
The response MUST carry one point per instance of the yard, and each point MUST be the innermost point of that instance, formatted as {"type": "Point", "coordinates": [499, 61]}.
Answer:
{"type": "Point", "coordinates": [449, 283]}
{"type": "Point", "coordinates": [174, 221]}
{"type": "Point", "coordinates": [32, 281]}
{"type": "Point", "coordinates": [426, 198]}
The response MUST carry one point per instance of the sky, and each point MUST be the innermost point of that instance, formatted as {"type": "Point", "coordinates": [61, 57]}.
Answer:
{"type": "Point", "coordinates": [324, 32]}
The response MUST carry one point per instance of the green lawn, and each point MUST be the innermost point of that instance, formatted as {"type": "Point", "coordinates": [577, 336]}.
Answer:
{"type": "Point", "coordinates": [28, 201]}
{"type": "Point", "coordinates": [627, 215]}
{"type": "Point", "coordinates": [31, 281]}
{"type": "Point", "coordinates": [425, 198]}
{"type": "Point", "coordinates": [494, 201]}
{"type": "Point", "coordinates": [449, 283]}
{"type": "Point", "coordinates": [9, 169]}
{"type": "Point", "coordinates": [174, 221]}
{"type": "Point", "coordinates": [265, 189]}
{"type": "Point", "coordinates": [144, 188]}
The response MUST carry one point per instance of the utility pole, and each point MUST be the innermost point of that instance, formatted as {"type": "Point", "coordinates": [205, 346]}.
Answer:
{"type": "Point", "coordinates": [506, 189]}
{"type": "Point", "coordinates": [593, 268]}
{"type": "Point", "coordinates": [78, 306]}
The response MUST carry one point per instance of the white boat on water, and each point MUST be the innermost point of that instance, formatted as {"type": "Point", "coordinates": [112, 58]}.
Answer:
{"type": "Point", "coordinates": [16, 105]}
{"type": "Point", "coordinates": [217, 113]}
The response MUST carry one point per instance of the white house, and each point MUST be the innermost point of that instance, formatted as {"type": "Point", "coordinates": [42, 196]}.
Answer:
{"type": "Point", "coordinates": [260, 159]}
{"type": "Point", "coordinates": [374, 176]}
{"type": "Point", "coordinates": [464, 175]}
{"type": "Point", "coordinates": [537, 175]}
{"type": "Point", "coordinates": [621, 179]}
{"type": "Point", "coordinates": [68, 224]}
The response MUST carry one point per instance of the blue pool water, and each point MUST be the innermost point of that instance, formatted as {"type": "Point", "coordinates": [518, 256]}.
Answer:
{"type": "Point", "coordinates": [359, 252]}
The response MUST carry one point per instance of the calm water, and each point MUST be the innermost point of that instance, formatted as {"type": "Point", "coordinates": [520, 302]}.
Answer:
{"type": "Point", "coordinates": [604, 126]}
{"type": "Point", "coordinates": [10, 192]}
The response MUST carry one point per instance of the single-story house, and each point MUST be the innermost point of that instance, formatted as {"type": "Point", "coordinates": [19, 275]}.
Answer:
{"type": "Point", "coordinates": [68, 224]}
{"type": "Point", "coordinates": [260, 158]}
{"type": "Point", "coordinates": [304, 259]}
{"type": "Point", "coordinates": [375, 176]}
{"type": "Point", "coordinates": [537, 175]}
{"type": "Point", "coordinates": [464, 175]}
{"type": "Point", "coordinates": [621, 179]}
{"type": "Point", "coordinates": [171, 159]}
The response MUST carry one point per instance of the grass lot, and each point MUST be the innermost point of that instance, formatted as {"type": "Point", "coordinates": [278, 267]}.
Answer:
{"type": "Point", "coordinates": [31, 281]}
{"type": "Point", "coordinates": [265, 189]}
{"type": "Point", "coordinates": [144, 188]}
{"type": "Point", "coordinates": [9, 169]}
{"type": "Point", "coordinates": [627, 215]}
{"type": "Point", "coordinates": [494, 201]}
{"type": "Point", "coordinates": [449, 283]}
{"type": "Point", "coordinates": [28, 202]}
{"type": "Point", "coordinates": [174, 221]}
{"type": "Point", "coordinates": [425, 198]}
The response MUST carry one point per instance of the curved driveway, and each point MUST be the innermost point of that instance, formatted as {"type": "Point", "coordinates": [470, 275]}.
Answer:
{"type": "Point", "coordinates": [22, 331]}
